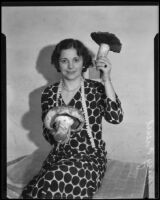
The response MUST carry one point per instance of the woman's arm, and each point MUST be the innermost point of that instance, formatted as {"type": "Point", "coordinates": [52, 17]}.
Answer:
{"type": "Point", "coordinates": [110, 93]}
{"type": "Point", "coordinates": [113, 112]}
{"type": "Point", "coordinates": [104, 65]}
{"type": "Point", "coordinates": [45, 108]}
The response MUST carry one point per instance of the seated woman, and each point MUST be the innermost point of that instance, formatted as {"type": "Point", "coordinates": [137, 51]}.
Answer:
{"type": "Point", "coordinates": [77, 162]}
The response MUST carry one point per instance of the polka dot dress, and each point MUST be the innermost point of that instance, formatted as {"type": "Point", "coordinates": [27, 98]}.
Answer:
{"type": "Point", "coordinates": [75, 170]}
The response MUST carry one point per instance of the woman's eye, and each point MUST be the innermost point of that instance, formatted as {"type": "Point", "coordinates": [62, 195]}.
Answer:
{"type": "Point", "coordinates": [76, 59]}
{"type": "Point", "coordinates": [63, 61]}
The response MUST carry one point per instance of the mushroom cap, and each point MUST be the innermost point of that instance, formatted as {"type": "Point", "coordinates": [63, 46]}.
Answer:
{"type": "Point", "coordinates": [69, 111]}
{"type": "Point", "coordinates": [107, 38]}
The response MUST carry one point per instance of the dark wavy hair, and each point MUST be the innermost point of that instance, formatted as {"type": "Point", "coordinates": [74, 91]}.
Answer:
{"type": "Point", "coordinates": [82, 50]}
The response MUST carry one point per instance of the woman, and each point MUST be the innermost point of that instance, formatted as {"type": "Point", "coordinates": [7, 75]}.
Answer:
{"type": "Point", "coordinates": [75, 168]}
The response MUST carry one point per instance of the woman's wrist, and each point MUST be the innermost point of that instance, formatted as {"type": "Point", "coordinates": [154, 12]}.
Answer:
{"type": "Point", "coordinates": [106, 79]}
{"type": "Point", "coordinates": [109, 88]}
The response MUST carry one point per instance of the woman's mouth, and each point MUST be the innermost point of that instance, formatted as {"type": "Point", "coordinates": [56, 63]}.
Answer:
{"type": "Point", "coordinates": [71, 72]}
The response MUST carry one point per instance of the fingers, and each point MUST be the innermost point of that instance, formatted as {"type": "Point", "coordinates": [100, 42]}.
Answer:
{"type": "Point", "coordinates": [103, 66]}
{"type": "Point", "coordinates": [103, 62]}
{"type": "Point", "coordinates": [103, 69]}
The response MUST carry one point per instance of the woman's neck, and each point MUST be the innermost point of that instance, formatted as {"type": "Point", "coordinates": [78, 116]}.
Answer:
{"type": "Point", "coordinates": [71, 84]}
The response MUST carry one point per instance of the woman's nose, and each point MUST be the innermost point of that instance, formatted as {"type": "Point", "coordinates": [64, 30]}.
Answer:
{"type": "Point", "coordinates": [70, 65]}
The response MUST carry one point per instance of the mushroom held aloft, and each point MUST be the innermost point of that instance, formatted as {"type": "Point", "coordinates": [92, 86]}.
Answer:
{"type": "Point", "coordinates": [107, 42]}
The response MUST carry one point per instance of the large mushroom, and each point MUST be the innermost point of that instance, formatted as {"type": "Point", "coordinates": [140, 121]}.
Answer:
{"type": "Point", "coordinates": [62, 120]}
{"type": "Point", "coordinates": [107, 42]}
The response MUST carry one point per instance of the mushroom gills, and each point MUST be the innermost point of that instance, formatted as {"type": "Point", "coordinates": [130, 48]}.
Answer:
{"type": "Point", "coordinates": [74, 126]}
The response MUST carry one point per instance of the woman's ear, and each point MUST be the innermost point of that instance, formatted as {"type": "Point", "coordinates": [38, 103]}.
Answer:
{"type": "Point", "coordinates": [84, 69]}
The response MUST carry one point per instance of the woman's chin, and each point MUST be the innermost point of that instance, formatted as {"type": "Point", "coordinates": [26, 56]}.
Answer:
{"type": "Point", "coordinates": [72, 76]}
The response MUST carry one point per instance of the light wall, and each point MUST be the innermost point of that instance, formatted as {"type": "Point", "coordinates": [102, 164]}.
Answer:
{"type": "Point", "coordinates": [31, 35]}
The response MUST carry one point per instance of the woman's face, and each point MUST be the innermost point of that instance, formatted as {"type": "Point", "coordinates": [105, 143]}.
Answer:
{"type": "Point", "coordinates": [70, 64]}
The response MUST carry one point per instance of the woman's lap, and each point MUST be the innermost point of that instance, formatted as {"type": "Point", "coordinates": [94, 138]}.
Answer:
{"type": "Point", "coordinates": [67, 178]}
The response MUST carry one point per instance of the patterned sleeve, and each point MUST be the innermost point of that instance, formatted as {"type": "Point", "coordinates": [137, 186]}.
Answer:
{"type": "Point", "coordinates": [45, 108]}
{"type": "Point", "coordinates": [111, 110]}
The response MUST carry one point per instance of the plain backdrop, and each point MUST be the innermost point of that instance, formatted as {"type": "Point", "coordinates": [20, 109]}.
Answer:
{"type": "Point", "coordinates": [32, 33]}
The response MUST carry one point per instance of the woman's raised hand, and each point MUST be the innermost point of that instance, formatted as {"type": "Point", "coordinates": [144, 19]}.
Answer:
{"type": "Point", "coordinates": [104, 65]}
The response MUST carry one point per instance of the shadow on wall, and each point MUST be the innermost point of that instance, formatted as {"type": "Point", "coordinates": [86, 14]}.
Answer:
{"type": "Point", "coordinates": [31, 120]}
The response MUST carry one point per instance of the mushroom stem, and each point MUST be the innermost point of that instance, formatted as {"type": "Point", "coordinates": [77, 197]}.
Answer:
{"type": "Point", "coordinates": [103, 50]}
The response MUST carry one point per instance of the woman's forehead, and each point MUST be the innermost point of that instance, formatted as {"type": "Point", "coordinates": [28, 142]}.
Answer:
{"type": "Point", "coordinates": [71, 52]}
